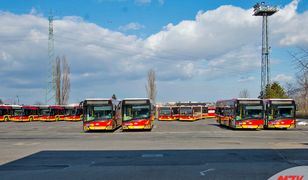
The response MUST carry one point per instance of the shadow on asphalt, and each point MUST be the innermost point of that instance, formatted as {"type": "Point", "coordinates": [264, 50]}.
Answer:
{"type": "Point", "coordinates": [155, 164]}
{"type": "Point", "coordinates": [231, 129]}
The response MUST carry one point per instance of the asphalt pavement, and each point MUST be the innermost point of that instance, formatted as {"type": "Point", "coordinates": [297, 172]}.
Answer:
{"type": "Point", "coordinates": [172, 150]}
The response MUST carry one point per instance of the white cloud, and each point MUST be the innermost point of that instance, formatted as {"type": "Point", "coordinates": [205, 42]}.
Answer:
{"type": "Point", "coordinates": [282, 78]}
{"type": "Point", "coordinates": [246, 79]}
{"type": "Point", "coordinates": [161, 2]}
{"type": "Point", "coordinates": [142, 2]}
{"type": "Point", "coordinates": [220, 43]}
{"type": "Point", "coordinates": [33, 11]}
{"type": "Point", "coordinates": [131, 26]}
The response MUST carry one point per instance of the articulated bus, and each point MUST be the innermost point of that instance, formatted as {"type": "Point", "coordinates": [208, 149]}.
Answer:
{"type": "Point", "coordinates": [137, 113]}
{"type": "Point", "coordinates": [73, 112]}
{"type": "Point", "coordinates": [101, 114]}
{"type": "Point", "coordinates": [241, 113]}
{"type": "Point", "coordinates": [51, 113]}
{"type": "Point", "coordinates": [165, 113]}
{"type": "Point", "coordinates": [280, 113]}
{"type": "Point", "coordinates": [190, 113]}
{"type": "Point", "coordinates": [5, 112]}
{"type": "Point", "coordinates": [24, 113]}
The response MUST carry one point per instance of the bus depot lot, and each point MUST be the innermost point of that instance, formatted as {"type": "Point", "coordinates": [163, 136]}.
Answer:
{"type": "Point", "coordinates": [172, 150]}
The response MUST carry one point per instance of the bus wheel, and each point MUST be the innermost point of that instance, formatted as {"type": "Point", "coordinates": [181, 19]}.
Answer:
{"type": "Point", "coordinates": [85, 129]}
{"type": "Point", "coordinates": [57, 118]}
{"type": "Point", "coordinates": [6, 119]}
{"type": "Point", "coordinates": [31, 119]}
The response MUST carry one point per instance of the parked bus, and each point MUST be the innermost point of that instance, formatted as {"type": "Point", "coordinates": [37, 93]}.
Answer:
{"type": "Point", "coordinates": [211, 112]}
{"type": "Point", "coordinates": [101, 114]}
{"type": "Point", "coordinates": [280, 113]}
{"type": "Point", "coordinates": [51, 113]}
{"type": "Point", "coordinates": [204, 112]}
{"type": "Point", "coordinates": [24, 113]}
{"type": "Point", "coordinates": [165, 113]}
{"type": "Point", "coordinates": [137, 113]}
{"type": "Point", "coordinates": [190, 113]}
{"type": "Point", "coordinates": [241, 113]}
{"type": "Point", "coordinates": [175, 112]}
{"type": "Point", "coordinates": [73, 112]}
{"type": "Point", "coordinates": [5, 112]}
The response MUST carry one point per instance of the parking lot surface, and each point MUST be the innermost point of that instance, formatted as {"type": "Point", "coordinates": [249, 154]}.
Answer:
{"type": "Point", "coordinates": [172, 150]}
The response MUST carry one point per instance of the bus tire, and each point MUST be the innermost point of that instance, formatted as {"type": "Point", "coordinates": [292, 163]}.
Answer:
{"type": "Point", "coordinates": [30, 118]}
{"type": "Point", "coordinates": [85, 129]}
{"type": "Point", "coordinates": [6, 119]}
{"type": "Point", "coordinates": [57, 118]}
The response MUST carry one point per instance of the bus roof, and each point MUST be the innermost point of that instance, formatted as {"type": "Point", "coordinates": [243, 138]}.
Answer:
{"type": "Point", "coordinates": [98, 99]}
{"type": "Point", "coordinates": [277, 99]}
{"type": "Point", "coordinates": [241, 99]}
{"type": "Point", "coordinates": [16, 106]}
{"type": "Point", "coordinates": [137, 99]}
{"type": "Point", "coordinates": [5, 107]}
{"type": "Point", "coordinates": [30, 107]}
{"type": "Point", "coordinates": [56, 107]}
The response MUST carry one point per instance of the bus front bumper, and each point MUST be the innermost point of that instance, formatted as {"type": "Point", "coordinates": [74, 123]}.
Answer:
{"type": "Point", "coordinates": [137, 127]}
{"type": "Point", "coordinates": [93, 128]}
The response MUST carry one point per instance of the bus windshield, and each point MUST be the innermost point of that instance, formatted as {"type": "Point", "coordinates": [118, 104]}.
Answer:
{"type": "Point", "coordinates": [133, 112]}
{"type": "Point", "coordinates": [102, 112]}
{"type": "Point", "coordinates": [252, 112]}
{"type": "Point", "coordinates": [186, 111]}
{"type": "Point", "coordinates": [165, 112]}
{"type": "Point", "coordinates": [282, 111]}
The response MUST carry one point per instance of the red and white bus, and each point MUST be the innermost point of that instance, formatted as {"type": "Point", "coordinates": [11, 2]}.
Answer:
{"type": "Point", "coordinates": [51, 113]}
{"type": "Point", "coordinates": [24, 113]}
{"type": "Point", "coordinates": [211, 112]}
{"type": "Point", "coordinates": [137, 113]}
{"type": "Point", "coordinates": [280, 113]}
{"type": "Point", "coordinates": [73, 112]}
{"type": "Point", "coordinates": [241, 113]}
{"type": "Point", "coordinates": [204, 112]}
{"type": "Point", "coordinates": [101, 114]}
{"type": "Point", "coordinates": [165, 113]}
{"type": "Point", "coordinates": [190, 113]}
{"type": "Point", "coordinates": [5, 112]}
{"type": "Point", "coordinates": [175, 112]}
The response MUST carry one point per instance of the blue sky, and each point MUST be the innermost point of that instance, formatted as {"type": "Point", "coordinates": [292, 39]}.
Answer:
{"type": "Point", "coordinates": [200, 50]}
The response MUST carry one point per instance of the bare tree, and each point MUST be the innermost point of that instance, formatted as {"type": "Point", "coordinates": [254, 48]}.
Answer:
{"type": "Point", "coordinates": [66, 84]}
{"type": "Point", "coordinates": [151, 86]}
{"type": "Point", "coordinates": [57, 80]}
{"type": "Point", "coordinates": [303, 91]}
{"type": "Point", "coordinates": [300, 59]}
{"type": "Point", "coordinates": [61, 79]}
{"type": "Point", "coordinates": [244, 94]}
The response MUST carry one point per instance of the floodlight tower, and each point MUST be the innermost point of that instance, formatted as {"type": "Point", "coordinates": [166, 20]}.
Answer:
{"type": "Point", "coordinates": [261, 9]}
{"type": "Point", "coordinates": [50, 95]}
